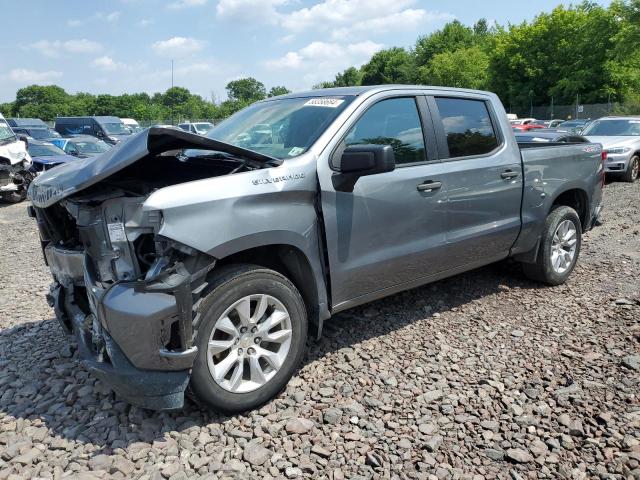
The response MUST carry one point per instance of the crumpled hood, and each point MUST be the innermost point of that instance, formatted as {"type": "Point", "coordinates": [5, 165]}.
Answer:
{"type": "Point", "coordinates": [54, 159]}
{"type": "Point", "coordinates": [65, 180]}
{"type": "Point", "coordinates": [16, 152]}
{"type": "Point", "coordinates": [612, 142]}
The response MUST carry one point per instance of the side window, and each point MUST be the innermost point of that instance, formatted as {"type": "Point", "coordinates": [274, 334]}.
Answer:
{"type": "Point", "coordinates": [392, 122]}
{"type": "Point", "coordinates": [70, 148]}
{"type": "Point", "coordinates": [467, 125]}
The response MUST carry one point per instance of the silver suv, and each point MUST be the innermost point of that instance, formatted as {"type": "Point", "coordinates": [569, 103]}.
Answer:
{"type": "Point", "coordinates": [620, 137]}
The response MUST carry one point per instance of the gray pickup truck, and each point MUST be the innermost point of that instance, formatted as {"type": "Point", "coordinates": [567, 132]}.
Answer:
{"type": "Point", "coordinates": [190, 263]}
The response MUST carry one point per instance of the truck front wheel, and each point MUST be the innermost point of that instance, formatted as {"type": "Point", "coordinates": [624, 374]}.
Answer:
{"type": "Point", "coordinates": [559, 248]}
{"type": "Point", "coordinates": [250, 339]}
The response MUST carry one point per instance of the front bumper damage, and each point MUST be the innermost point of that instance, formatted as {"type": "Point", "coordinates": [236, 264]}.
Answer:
{"type": "Point", "coordinates": [134, 335]}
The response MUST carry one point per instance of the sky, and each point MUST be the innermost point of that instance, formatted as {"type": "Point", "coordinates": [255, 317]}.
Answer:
{"type": "Point", "coordinates": [126, 46]}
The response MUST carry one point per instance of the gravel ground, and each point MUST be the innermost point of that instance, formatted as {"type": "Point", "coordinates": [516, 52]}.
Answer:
{"type": "Point", "coordinates": [483, 375]}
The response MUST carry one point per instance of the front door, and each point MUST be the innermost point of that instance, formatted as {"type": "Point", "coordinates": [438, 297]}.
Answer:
{"type": "Point", "coordinates": [389, 230]}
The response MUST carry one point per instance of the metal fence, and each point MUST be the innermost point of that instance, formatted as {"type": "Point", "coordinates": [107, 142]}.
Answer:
{"type": "Point", "coordinates": [168, 121]}
{"type": "Point", "coordinates": [567, 112]}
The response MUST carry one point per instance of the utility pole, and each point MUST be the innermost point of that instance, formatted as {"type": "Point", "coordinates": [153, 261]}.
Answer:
{"type": "Point", "coordinates": [551, 107]}
{"type": "Point", "coordinates": [577, 105]}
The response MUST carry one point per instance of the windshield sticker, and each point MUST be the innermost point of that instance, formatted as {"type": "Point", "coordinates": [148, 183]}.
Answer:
{"type": "Point", "coordinates": [324, 102]}
{"type": "Point", "coordinates": [295, 151]}
{"type": "Point", "coordinates": [116, 232]}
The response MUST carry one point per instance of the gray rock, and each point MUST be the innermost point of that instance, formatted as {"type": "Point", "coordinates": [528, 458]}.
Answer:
{"type": "Point", "coordinates": [432, 444]}
{"type": "Point", "coordinates": [518, 455]}
{"type": "Point", "coordinates": [299, 425]}
{"type": "Point", "coordinates": [256, 454]}
{"type": "Point", "coordinates": [331, 415]}
{"type": "Point", "coordinates": [632, 362]}
{"type": "Point", "coordinates": [431, 396]}
{"type": "Point", "coordinates": [493, 454]}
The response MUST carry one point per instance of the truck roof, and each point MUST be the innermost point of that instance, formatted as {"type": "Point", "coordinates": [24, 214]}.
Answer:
{"type": "Point", "coordinates": [356, 91]}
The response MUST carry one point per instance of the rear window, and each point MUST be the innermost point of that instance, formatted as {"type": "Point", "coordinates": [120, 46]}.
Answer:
{"type": "Point", "coordinates": [467, 126]}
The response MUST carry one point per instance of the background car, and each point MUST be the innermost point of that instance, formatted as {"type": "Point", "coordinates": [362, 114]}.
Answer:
{"type": "Point", "coordinates": [46, 155]}
{"type": "Point", "coordinates": [554, 123]}
{"type": "Point", "coordinates": [32, 127]}
{"type": "Point", "coordinates": [37, 133]}
{"type": "Point", "coordinates": [82, 145]}
{"type": "Point", "coordinates": [131, 124]}
{"type": "Point", "coordinates": [526, 127]}
{"type": "Point", "coordinates": [109, 129]}
{"type": "Point", "coordinates": [574, 126]}
{"type": "Point", "coordinates": [200, 128]}
{"type": "Point", "coordinates": [620, 137]}
{"type": "Point", "coordinates": [548, 135]}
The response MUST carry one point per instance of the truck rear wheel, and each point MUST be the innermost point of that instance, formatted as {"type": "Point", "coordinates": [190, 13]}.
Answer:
{"type": "Point", "coordinates": [632, 169]}
{"type": "Point", "coordinates": [559, 248]}
{"type": "Point", "coordinates": [250, 340]}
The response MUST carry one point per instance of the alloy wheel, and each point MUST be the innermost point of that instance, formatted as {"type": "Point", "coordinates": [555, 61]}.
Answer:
{"type": "Point", "coordinates": [563, 246]}
{"type": "Point", "coordinates": [249, 343]}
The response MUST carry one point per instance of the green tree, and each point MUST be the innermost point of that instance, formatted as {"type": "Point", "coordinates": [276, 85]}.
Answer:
{"type": "Point", "coordinates": [462, 68]}
{"type": "Point", "coordinates": [452, 37]}
{"type": "Point", "coordinates": [246, 90]}
{"type": "Point", "coordinates": [394, 65]}
{"type": "Point", "coordinates": [278, 90]}
{"type": "Point", "coordinates": [41, 101]}
{"type": "Point", "coordinates": [351, 77]}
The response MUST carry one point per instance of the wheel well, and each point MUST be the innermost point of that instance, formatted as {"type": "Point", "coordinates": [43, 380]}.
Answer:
{"type": "Point", "coordinates": [576, 199]}
{"type": "Point", "coordinates": [286, 260]}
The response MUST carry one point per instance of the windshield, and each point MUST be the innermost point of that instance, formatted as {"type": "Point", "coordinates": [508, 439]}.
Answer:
{"type": "Point", "coordinates": [39, 133]}
{"type": "Point", "coordinates": [203, 128]}
{"type": "Point", "coordinates": [115, 128]}
{"type": "Point", "coordinates": [281, 128]}
{"type": "Point", "coordinates": [44, 150]}
{"type": "Point", "coordinates": [91, 147]}
{"type": "Point", "coordinates": [6, 134]}
{"type": "Point", "coordinates": [614, 128]}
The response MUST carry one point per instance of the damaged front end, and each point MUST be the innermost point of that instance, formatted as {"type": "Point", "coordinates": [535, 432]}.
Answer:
{"type": "Point", "coordinates": [127, 292]}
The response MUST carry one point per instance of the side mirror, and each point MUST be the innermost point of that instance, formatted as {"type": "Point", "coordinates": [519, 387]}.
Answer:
{"type": "Point", "coordinates": [369, 159]}
{"type": "Point", "coordinates": [24, 138]}
{"type": "Point", "coordinates": [99, 134]}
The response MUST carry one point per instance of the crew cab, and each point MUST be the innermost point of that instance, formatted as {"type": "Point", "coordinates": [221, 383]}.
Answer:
{"type": "Point", "coordinates": [188, 261]}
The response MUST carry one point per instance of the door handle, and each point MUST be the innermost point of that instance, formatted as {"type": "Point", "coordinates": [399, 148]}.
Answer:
{"type": "Point", "coordinates": [509, 174]}
{"type": "Point", "coordinates": [429, 186]}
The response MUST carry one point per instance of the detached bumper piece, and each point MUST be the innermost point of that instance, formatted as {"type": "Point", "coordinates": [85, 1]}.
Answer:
{"type": "Point", "coordinates": [137, 336]}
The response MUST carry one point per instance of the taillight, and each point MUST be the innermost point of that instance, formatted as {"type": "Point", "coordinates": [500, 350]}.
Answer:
{"type": "Point", "coordinates": [604, 156]}
{"type": "Point", "coordinates": [604, 159]}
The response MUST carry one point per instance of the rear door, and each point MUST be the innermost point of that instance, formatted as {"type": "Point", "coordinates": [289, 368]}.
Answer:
{"type": "Point", "coordinates": [389, 230]}
{"type": "Point", "coordinates": [483, 178]}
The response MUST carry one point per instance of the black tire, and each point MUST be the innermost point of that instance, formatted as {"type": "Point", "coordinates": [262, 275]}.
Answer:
{"type": "Point", "coordinates": [631, 174]}
{"type": "Point", "coordinates": [229, 285]}
{"type": "Point", "coordinates": [542, 271]}
{"type": "Point", "coordinates": [14, 197]}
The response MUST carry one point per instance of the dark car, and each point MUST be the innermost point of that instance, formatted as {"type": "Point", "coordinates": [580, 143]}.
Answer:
{"type": "Point", "coordinates": [549, 135]}
{"type": "Point", "coordinates": [32, 127]}
{"type": "Point", "coordinates": [37, 133]}
{"type": "Point", "coordinates": [46, 155]}
{"type": "Point", "coordinates": [110, 129]}
{"type": "Point", "coordinates": [575, 126]}
{"type": "Point", "coordinates": [82, 145]}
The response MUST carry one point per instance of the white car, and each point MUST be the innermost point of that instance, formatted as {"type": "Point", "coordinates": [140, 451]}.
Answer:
{"type": "Point", "coordinates": [15, 165]}
{"type": "Point", "coordinates": [199, 128]}
{"type": "Point", "coordinates": [620, 137]}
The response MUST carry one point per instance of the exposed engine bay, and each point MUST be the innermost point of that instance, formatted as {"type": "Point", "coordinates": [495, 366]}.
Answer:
{"type": "Point", "coordinates": [107, 256]}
